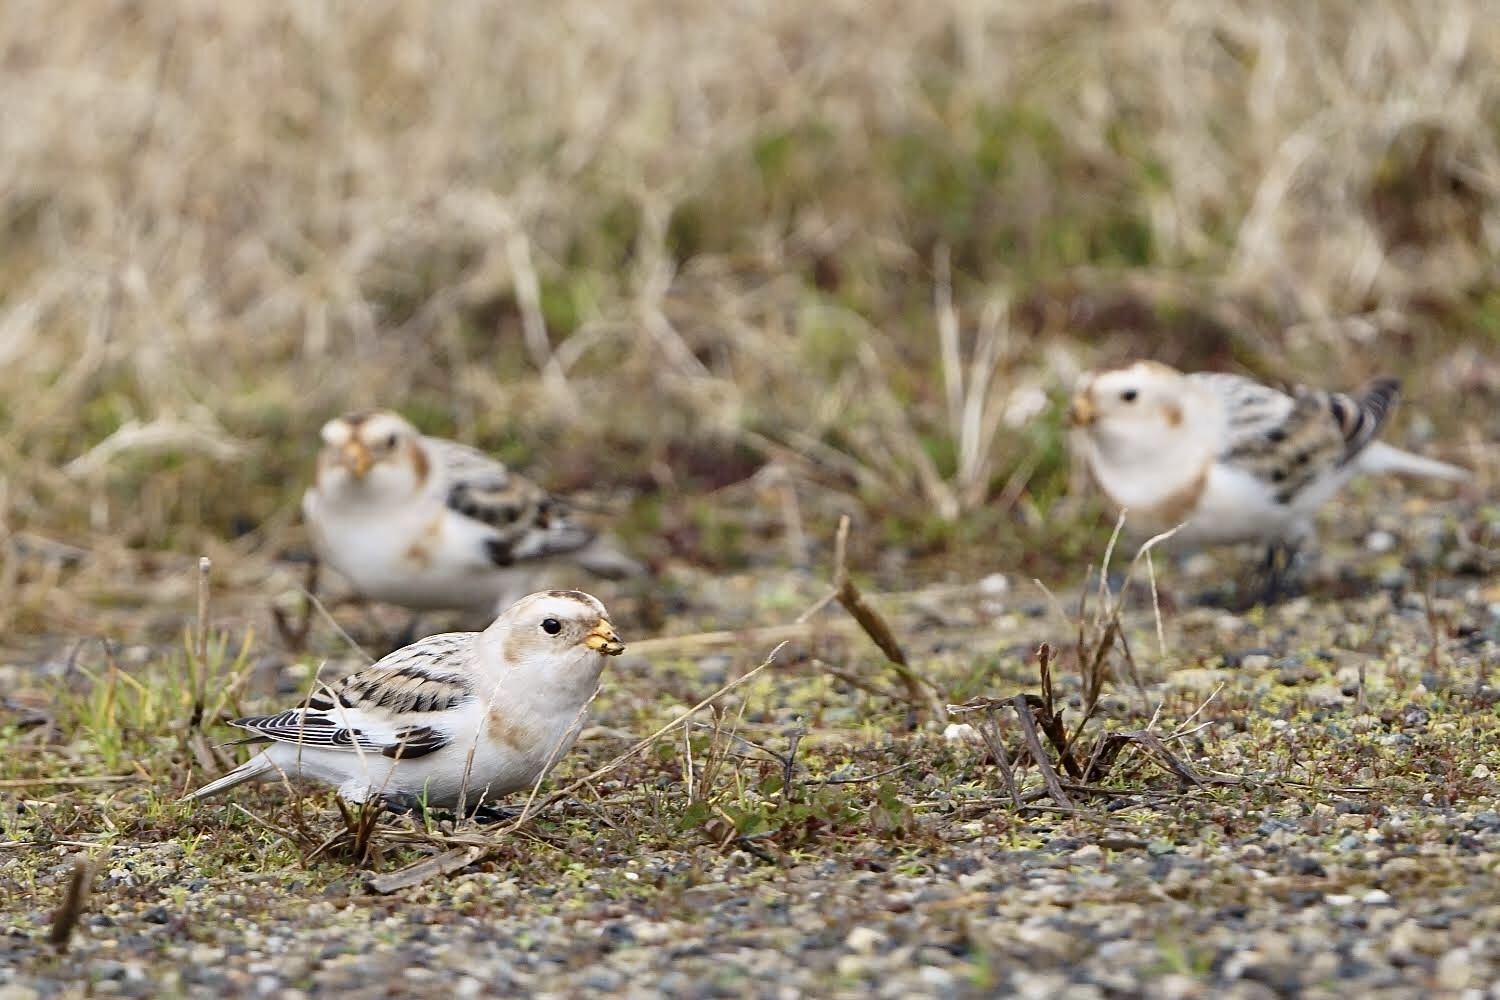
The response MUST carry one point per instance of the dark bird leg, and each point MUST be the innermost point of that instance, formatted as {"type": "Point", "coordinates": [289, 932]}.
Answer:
{"type": "Point", "coordinates": [1277, 570]}
{"type": "Point", "coordinates": [487, 813]}
{"type": "Point", "coordinates": [402, 803]}
{"type": "Point", "coordinates": [404, 637]}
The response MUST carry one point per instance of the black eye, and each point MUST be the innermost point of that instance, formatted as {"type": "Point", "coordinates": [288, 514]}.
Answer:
{"type": "Point", "coordinates": [1129, 395]}
{"type": "Point", "coordinates": [390, 441]}
{"type": "Point", "coordinates": [551, 626]}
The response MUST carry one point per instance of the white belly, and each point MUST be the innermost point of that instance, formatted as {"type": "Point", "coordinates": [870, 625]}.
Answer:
{"type": "Point", "coordinates": [494, 771]}
{"type": "Point", "coordinates": [422, 557]}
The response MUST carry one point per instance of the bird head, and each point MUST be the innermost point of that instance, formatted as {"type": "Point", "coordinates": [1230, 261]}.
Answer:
{"type": "Point", "coordinates": [557, 638]}
{"type": "Point", "coordinates": [1142, 404]}
{"type": "Point", "coordinates": [375, 449]}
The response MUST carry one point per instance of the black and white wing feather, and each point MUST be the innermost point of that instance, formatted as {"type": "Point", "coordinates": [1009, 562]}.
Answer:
{"type": "Point", "coordinates": [525, 522]}
{"type": "Point", "coordinates": [393, 707]}
{"type": "Point", "coordinates": [1290, 439]}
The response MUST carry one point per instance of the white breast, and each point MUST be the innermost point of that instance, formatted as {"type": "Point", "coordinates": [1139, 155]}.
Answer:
{"type": "Point", "coordinates": [417, 554]}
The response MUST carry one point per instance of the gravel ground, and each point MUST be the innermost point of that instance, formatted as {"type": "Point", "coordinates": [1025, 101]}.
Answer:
{"type": "Point", "coordinates": [1346, 842]}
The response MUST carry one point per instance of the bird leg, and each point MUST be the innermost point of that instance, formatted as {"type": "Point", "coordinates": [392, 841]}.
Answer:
{"type": "Point", "coordinates": [402, 803]}
{"type": "Point", "coordinates": [404, 637]}
{"type": "Point", "coordinates": [1277, 570]}
{"type": "Point", "coordinates": [486, 814]}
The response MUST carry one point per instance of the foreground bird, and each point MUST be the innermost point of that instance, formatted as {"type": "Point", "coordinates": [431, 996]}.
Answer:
{"type": "Point", "coordinates": [1232, 459]}
{"type": "Point", "coordinates": [429, 524]}
{"type": "Point", "coordinates": [453, 720]}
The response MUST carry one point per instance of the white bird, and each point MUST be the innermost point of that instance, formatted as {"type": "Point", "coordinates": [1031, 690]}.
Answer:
{"type": "Point", "coordinates": [429, 524]}
{"type": "Point", "coordinates": [1232, 459]}
{"type": "Point", "coordinates": [453, 720]}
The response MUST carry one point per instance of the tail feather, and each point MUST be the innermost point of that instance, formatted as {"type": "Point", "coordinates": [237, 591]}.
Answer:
{"type": "Point", "coordinates": [1382, 457]}
{"type": "Point", "coordinates": [1362, 415]}
{"type": "Point", "coordinates": [255, 768]}
{"type": "Point", "coordinates": [603, 559]}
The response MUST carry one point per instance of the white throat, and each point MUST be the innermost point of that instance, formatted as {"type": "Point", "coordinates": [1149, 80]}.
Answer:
{"type": "Point", "coordinates": [1142, 466]}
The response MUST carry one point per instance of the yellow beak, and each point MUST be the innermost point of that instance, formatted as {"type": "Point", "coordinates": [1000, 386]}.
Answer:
{"type": "Point", "coordinates": [1082, 412]}
{"type": "Point", "coordinates": [357, 458]}
{"type": "Point", "coordinates": [604, 640]}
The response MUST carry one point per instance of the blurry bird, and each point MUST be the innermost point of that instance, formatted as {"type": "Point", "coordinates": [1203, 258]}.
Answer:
{"type": "Point", "coordinates": [1235, 460]}
{"type": "Point", "coordinates": [452, 721]}
{"type": "Point", "coordinates": [429, 524]}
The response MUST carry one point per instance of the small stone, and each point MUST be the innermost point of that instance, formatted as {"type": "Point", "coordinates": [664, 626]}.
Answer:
{"type": "Point", "coordinates": [1376, 897]}
{"type": "Point", "coordinates": [1255, 661]}
{"type": "Point", "coordinates": [850, 967]}
{"type": "Point", "coordinates": [864, 940]}
{"type": "Point", "coordinates": [939, 980]}
{"type": "Point", "coordinates": [1480, 771]}
{"type": "Point", "coordinates": [1380, 541]}
{"type": "Point", "coordinates": [994, 585]}
{"type": "Point", "coordinates": [1454, 969]}
{"type": "Point", "coordinates": [603, 979]}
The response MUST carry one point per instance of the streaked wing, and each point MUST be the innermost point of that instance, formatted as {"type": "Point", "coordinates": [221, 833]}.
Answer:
{"type": "Point", "coordinates": [1253, 410]}
{"type": "Point", "coordinates": [385, 708]}
{"type": "Point", "coordinates": [1290, 440]}
{"type": "Point", "coordinates": [526, 522]}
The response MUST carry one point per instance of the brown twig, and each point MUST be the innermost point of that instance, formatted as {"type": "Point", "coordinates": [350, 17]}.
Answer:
{"type": "Point", "coordinates": [199, 675]}
{"type": "Point", "coordinates": [75, 898]}
{"type": "Point", "coordinates": [1038, 752]}
{"type": "Point", "coordinates": [294, 634]}
{"type": "Point", "coordinates": [997, 750]}
{"type": "Point", "coordinates": [920, 693]}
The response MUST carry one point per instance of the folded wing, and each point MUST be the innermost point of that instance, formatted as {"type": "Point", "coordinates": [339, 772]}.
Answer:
{"type": "Point", "coordinates": [394, 707]}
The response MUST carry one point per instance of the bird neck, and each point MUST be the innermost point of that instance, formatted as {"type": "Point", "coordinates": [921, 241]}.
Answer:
{"type": "Point", "coordinates": [559, 685]}
{"type": "Point", "coordinates": [1142, 468]}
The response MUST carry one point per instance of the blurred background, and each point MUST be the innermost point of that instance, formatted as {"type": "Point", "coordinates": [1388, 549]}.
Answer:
{"type": "Point", "coordinates": [725, 271]}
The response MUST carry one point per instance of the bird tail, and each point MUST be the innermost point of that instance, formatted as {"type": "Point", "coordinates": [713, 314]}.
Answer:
{"type": "Point", "coordinates": [602, 558]}
{"type": "Point", "coordinates": [255, 768]}
{"type": "Point", "coordinates": [1382, 457]}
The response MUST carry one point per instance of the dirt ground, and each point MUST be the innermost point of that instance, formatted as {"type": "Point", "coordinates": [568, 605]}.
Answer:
{"type": "Point", "coordinates": [726, 276]}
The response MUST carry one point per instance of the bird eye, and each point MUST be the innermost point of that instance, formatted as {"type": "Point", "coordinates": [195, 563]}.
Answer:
{"type": "Point", "coordinates": [1129, 395]}
{"type": "Point", "coordinates": [390, 441]}
{"type": "Point", "coordinates": [551, 626]}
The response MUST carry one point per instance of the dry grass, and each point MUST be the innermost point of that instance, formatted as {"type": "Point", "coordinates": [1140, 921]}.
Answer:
{"type": "Point", "coordinates": [736, 270]}
{"type": "Point", "coordinates": [221, 226]}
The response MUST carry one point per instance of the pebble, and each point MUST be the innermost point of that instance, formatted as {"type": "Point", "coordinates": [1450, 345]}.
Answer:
{"type": "Point", "coordinates": [864, 940]}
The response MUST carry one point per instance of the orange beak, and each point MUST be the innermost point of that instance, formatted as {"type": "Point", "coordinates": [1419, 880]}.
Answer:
{"type": "Point", "coordinates": [357, 457]}
{"type": "Point", "coordinates": [1082, 413]}
{"type": "Point", "coordinates": [603, 639]}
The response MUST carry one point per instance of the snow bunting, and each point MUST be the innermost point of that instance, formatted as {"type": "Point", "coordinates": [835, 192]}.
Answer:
{"type": "Point", "coordinates": [1232, 459]}
{"type": "Point", "coordinates": [430, 524]}
{"type": "Point", "coordinates": [452, 720]}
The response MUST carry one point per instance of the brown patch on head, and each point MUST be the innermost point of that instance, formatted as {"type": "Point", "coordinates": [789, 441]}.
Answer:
{"type": "Point", "coordinates": [421, 465]}
{"type": "Point", "coordinates": [513, 652]}
{"type": "Point", "coordinates": [506, 729]}
{"type": "Point", "coordinates": [1174, 414]}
